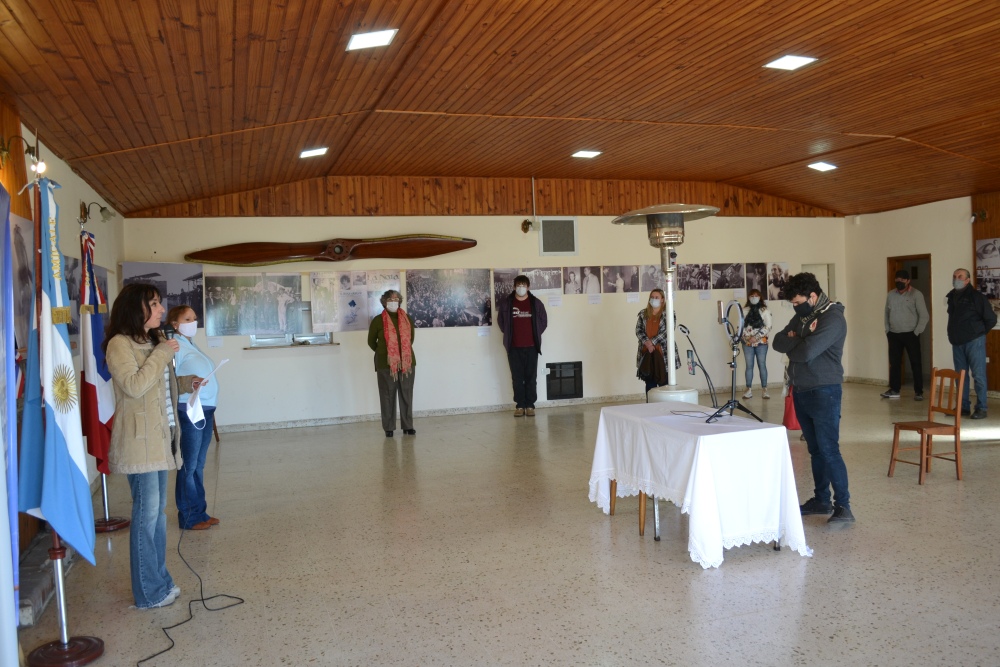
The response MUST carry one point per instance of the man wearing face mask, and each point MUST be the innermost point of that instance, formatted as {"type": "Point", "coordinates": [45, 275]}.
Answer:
{"type": "Point", "coordinates": [970, 317]}
{"type": "Point", "coordinates": [814, 343]}
{"type": "Point", "coordinates": [522, 320]}
{"type": "Point", "coordinates": [905, 319]}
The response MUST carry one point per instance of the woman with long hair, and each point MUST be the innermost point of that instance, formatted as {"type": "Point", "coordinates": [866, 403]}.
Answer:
{"type": "Point", "coordinates": [651, 331]}
{"type": "Point", "coordinates": [757, 325]}
{"type": "Point", "coordinates": [189, 491]}
{"type": "Point", "coordinates": [144, 439]}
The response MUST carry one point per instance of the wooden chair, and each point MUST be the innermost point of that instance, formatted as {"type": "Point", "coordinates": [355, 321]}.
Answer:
{"type": "Point", "coordinates": [946, 398]}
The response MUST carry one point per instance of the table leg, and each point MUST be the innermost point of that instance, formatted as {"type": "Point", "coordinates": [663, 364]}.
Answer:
{"type": "Point", "coordinates": [656, 519]}
{"type": "Point", "coordinates": [614, 495]}
{"type": "Point", "coordinates": [642, 514]}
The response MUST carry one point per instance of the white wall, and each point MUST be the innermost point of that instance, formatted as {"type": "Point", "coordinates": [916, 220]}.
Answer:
{"type": "Point", "coordinates": [457, 369]}
{"type": "Point", "coordinates": [940, 229]}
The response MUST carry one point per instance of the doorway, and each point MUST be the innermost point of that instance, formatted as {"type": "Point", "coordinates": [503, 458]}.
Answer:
{"type": "Point", "coordinates": [919, 268]}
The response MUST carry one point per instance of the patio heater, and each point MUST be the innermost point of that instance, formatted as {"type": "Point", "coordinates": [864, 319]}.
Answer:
{"type": "Point", "coordinates": [665, 225]}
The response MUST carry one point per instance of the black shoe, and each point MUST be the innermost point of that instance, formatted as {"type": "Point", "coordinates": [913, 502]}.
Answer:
{"type": "Point", "coordinates": [966, 412]}
{"type": "Point", "coordinates": [841, 514]}
{"type": "Point", "coordinates": [813, 506]}
{"type": "Point", "coordinates": [918, 397]}
{"type": "Point", "coordinates": [889, 394]}
{"type": "Point", "coordinates": [979, 414]}
{"type": "Point", "coordinates": [388, 434]}
{"type": "Point", "coordinates": [409, 431]}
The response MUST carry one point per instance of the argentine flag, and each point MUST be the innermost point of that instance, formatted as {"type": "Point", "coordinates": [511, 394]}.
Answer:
{"type": "Point", "coordinates": [53, 478]}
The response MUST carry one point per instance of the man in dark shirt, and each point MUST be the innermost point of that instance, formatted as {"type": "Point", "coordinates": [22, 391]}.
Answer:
{"type": "Point", "coordinates": [970, 317]}
{"type": "Point", "coordinates": [522, 319]}
{"type": "Point", "coordinates": [814, 343]}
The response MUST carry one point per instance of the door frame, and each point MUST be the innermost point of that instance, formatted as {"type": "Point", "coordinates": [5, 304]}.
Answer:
{"type": "Point", "coordinates": [893, 264]}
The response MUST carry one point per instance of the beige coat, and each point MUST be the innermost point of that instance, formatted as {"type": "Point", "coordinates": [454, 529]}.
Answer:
{"type": "Point", "coordinates": [140, 438]}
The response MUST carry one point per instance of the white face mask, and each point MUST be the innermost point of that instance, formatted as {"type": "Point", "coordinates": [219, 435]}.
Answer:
{"type": "Point", "coordinates": [655, 303]}
{"type": "Point", "coordinates": [392, 306]}
{"type": "Point", "coordinates": [755, 300]}
{"type": "Point", "coordinates": [188, 329]}
{"type": "Point", "coordinates": [521, 290]}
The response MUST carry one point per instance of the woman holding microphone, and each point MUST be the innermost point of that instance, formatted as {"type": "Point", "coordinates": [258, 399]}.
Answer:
{"type": "Point", "coordinates": [195, 438]}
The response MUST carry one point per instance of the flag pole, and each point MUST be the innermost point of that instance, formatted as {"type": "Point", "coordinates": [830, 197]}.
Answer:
{"type": "Point", "coordinates": [68, 651]}
{"type": "Point", "coordinates": [109, 523]}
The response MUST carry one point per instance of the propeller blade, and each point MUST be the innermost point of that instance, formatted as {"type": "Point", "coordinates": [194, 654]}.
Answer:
{"type": "Point", "coordinates": [408, 246]}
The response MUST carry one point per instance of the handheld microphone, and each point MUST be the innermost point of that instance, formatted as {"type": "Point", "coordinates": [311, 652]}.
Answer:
{"type": "Point", "coordinates": [168, 331]}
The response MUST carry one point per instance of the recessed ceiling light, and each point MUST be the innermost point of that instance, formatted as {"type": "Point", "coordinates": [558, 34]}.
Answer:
{"type": "Point", "coordinates": [367, 40]}
{"type": "Point", "coordinates": [586, 154]}
{"type": "Point", "coordinates": [822, 166]}
{"type": "Point", "coordinates": [790, 62]}
{"type": "Point", "coordinates": [313, 152]}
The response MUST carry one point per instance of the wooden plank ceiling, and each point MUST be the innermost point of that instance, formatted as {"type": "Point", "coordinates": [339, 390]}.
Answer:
{"type": "Point", "coordinates": [170, 105]}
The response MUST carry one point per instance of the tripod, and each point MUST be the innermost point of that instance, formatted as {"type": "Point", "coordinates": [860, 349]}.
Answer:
{"type": "Point", "coordinates": [734, 342]}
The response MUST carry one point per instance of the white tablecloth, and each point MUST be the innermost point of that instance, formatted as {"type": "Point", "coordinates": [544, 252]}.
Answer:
{"type": "Point", "coordinates": [734, 477]}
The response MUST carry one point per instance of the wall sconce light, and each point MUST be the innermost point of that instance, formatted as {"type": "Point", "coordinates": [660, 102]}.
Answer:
{"type": "Point", "coordinates": [33, 152]}
{"type": "Point", "coordinates": [106, 213]}
{"type": "Point", "coordinates": [527, 226]}
{"type": "Point", "coordinates": [981, 214]}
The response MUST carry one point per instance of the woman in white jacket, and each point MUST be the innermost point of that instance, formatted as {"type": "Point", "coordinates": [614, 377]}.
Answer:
{"type": "Point", "coordinates": [756, 326]}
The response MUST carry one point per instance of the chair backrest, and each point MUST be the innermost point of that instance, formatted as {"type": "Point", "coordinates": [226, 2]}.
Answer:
{"type": "Point", "coordinates": [946, 393]}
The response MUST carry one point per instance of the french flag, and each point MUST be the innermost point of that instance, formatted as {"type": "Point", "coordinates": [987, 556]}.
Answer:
{"type": "Point", "coordinates": [53, 480]}
{"type": "Point", "coordinates": [97, 396]}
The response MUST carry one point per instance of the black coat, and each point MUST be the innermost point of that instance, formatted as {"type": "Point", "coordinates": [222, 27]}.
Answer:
{"type": "Point", "coordinates": [969, 315]}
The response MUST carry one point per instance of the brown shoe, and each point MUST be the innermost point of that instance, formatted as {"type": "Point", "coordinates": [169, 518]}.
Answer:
{"type": "Point", "coordinates": [519, 412]}
{"type": "Point", "coordinates": [529, 412]}
{"type": "Point", "coordinates": [204, 525]}
{"type": "Point", "coordinates": [212, 521]}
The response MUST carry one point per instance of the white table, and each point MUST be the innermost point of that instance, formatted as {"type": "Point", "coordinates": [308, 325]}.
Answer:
{"type": "Point", "coordinates": [734, 477]}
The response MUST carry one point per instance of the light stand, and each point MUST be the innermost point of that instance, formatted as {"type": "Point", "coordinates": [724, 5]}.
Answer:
{"type": "Point", "coordinates": [734, 334]}
{"type": "Point", "coordinates": [694, 362]}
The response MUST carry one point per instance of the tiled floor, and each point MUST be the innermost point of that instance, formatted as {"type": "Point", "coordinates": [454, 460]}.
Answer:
{"type": "Point", "coordinates": [474, 543]}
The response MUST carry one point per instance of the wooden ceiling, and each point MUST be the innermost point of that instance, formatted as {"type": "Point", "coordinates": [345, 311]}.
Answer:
{"type": "Point", "coordinates": [162, 103]}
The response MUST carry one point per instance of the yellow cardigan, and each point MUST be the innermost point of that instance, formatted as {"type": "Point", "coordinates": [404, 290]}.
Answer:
{"type": "Point", "coordinates": [140, 436]}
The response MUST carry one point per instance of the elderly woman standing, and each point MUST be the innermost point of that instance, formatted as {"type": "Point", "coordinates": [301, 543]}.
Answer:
{"type": "Point", "coordinates": [390, 335]}
{"type": "Point", "coordinates": [145, 442]}
{"type": "Point", "coordinates": [651, 330]}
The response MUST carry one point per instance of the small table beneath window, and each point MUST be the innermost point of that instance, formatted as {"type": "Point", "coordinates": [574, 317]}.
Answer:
{"type": "Point", "coordinates": [734, 477]}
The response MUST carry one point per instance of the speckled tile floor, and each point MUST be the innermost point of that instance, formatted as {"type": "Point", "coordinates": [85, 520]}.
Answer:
{"type": "Point", "coordinates": [474, 544]}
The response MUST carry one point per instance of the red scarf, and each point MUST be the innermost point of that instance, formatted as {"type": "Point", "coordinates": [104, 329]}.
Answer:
{"type": "Point", "coordinates": [398, 361]}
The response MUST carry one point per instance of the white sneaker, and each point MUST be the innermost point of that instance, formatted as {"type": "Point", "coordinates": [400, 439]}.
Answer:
{"type": "Point", "coordinates": [765, 394]}
{"type": "Point", "coordinates": [749, 393]}
{"type": "Point", "coordinates": [167, 601]}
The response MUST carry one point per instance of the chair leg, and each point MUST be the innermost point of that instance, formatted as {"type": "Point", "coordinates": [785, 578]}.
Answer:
{"type": "Point", "coordinates": [923, 458]}
{"type": "Point", "coordinates": [642, 514]}
{"type": "Point", "coordinates": [895, 450]}
{"type": "Point", "coordinates": [614, 495]}
{"type": "Point", "coordinates": [930, 451]}
{"type": "Point", "coordinates": [958, 455]}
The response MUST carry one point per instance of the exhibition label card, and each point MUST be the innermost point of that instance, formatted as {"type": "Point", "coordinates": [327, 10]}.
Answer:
{"type": "Point", "coordinates": [555, 300]}
{"type": "Point", "coordinates": [705, 295]}
{"type": "Point", "coordinates": [632, 297]}
{"type": "Point", "coordinates": [594, 299]}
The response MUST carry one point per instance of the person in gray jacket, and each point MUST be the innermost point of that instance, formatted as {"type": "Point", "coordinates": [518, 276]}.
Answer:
{"type": "Point", "coordinates": [814, 343]}
{"type": "Point", "coordinates": [905, 319]}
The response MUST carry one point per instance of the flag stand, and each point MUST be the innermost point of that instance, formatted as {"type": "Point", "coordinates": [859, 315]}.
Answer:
{"type": "Point", "coordinates": [109, 523]}
{"type": "Point", "coordinates": [68, 651]}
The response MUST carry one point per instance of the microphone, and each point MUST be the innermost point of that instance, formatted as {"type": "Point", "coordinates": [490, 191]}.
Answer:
{"type": "Point", "coordinates": [168, 331]}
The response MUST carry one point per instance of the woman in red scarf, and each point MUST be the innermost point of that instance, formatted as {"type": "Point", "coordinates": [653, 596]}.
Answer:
{"type": "Point", "coordinates": [390, 335]}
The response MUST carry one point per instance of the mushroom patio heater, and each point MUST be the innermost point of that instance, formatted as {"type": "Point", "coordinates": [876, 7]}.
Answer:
{"type": "Point", "coordinates": [665, 225]}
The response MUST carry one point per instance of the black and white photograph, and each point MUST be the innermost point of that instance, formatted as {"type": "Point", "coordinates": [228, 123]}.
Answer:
{"type": "Point", "coordinates": [757, 277]}
{"type": "Point", "coordinates": [503, 283]}
{"type": "Point", "coordinates": [240, 304]}
{"type": "Point", "coordinates": [180, 284]}
{"type": "Point", "coordinates": [22, 242]}
{"type": "Point", "coordinates": [728, 276]}
{"type": "Point", "coordinates": [988, 254]}
{"type": "Point", "coordinates": [590, 280]}
{"type": "Point", "coordinates": [544, 281]}
{"type": "Point", "coordinates": [776, 279]}
{"type": "Point", "coordinates": [694, 276]}
{"type": "Point", "coordinates": [348, 300]}
{"type": "Point", "coordinates": [988, 282]}
{"type": "Point", "coordinates": [449, 297]}
{"type": "Point", "coordinates": [619, 279]}
{"type": "Point", "coordinates": [651, 277]}
{"type": "Point", "coordinates": [571, 280]}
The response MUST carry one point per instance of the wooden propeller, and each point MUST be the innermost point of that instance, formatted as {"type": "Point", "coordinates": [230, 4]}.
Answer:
{"type": "Point", "coordinates": [409, 246]}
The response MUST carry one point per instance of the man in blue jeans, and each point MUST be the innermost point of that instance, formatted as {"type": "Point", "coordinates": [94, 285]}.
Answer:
{"type": "Point", "coordinates": [970, 317]}
{"type": "Point", "coordinates": [814, 343]}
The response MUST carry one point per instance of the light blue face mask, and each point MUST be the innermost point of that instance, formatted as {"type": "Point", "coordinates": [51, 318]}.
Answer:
{"type": "Point", "coordinates": [655, 303]}
{"type": "Point", "coordinates": [958, 284]}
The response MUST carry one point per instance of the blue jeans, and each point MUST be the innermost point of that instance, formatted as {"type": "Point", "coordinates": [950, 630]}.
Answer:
{"type": "Point", "coordinates": [971, 358]}
{"type": "Point", "coordinates": [760, 354]}
{"type": "Point", "coordinates": [189, 491]}
{"type": "Point", "coordinates": [151, 583]}
{"type": "Point", "coordinates": [818, 410]}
